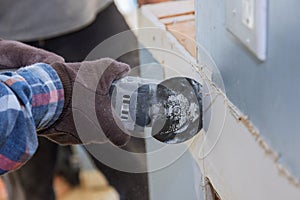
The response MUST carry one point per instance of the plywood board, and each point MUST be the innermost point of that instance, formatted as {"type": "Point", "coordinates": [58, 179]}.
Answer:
{"type": "Point", "coordinates": [185, 33]}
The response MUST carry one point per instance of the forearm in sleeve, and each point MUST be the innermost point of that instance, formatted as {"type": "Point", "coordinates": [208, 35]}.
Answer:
{"type": "Point", "coordinates": [30, 98]}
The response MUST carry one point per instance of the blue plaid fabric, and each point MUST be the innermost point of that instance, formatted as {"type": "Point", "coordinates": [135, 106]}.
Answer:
{"type": "Point", "coordinates": [31, 98]}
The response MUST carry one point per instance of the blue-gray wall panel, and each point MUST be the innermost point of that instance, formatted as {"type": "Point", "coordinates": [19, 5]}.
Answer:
{"type": "Point", "coordinates": [267, 92]}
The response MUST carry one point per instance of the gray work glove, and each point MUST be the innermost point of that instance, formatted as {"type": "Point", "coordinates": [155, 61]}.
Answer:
{"type": "Point", "coordinates": [87, 116]}
{"type": "Point", "coordinates": [15, 54]}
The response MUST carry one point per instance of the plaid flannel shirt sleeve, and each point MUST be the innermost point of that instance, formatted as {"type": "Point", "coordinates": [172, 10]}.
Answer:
{"type": "Point", "coordinates": [31, 98]}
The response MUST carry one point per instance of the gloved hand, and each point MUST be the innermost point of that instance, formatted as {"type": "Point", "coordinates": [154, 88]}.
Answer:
{"type": "Point", "coordinates": [15, 54]}
{"type": "Point", "coordinates": [87, 115]}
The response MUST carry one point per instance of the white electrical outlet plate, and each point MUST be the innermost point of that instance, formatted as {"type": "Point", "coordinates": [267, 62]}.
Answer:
{"type": "Point", "coordinates": [247, 20]}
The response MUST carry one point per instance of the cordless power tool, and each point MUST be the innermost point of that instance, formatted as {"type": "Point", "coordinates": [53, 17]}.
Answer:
{"type": "Point", "coordinates": [171, 108]}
